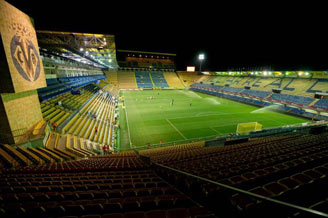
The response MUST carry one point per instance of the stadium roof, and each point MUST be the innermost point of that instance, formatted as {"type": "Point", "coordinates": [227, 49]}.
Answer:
{"type": "Point", "coordinates": [94, 49]}
{"type": "Point", "coordinates": [147, 52]}
{"type": "Point", "coordinates": [233, 36]}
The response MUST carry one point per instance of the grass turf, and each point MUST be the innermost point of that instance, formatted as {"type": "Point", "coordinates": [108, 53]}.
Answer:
{"type": "Point", "coordinates": [150, 121]}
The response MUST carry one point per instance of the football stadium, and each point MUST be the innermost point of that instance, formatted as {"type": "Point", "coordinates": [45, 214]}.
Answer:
{"type": "Point", "coordinates": [89, 130]}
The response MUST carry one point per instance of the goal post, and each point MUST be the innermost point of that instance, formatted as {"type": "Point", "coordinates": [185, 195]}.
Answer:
{"type": "Point", "coordinates": [246, 128]}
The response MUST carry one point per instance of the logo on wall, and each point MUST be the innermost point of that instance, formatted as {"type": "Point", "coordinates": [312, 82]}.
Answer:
{"type": "Point", "coordinates": [24, 54]}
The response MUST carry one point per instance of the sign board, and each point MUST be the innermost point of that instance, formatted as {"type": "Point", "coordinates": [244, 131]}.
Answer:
{"type": "Point", "coordinates": [24, 69]}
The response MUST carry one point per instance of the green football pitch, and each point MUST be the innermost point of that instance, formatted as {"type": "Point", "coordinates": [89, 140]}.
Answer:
{"type": "Point", "coordinates": [193, 115]}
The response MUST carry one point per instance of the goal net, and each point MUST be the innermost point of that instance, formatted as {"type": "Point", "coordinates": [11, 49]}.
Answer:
{"type": "Point", "coordinates": [246, 128]}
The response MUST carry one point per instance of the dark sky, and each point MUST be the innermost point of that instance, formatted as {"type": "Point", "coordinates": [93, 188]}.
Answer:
{"type": "Point", "coordinates": [253, 36]}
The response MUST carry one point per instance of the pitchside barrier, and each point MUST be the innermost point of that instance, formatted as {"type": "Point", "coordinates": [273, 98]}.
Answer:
{"type": "Point", "coordinates": [303, 128]}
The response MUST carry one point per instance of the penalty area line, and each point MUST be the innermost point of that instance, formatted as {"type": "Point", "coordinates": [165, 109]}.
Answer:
{"type": "Point", "coordinates": [212, 128]}
{"type": "Point", "coordinates": [176, 129]}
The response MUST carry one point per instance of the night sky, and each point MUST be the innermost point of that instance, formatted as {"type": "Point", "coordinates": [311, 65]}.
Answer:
{"type": "Point", "coordinates": [233, 37]}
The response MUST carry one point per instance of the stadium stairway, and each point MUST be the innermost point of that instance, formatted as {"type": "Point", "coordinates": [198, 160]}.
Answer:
{"type": "Point", "coordinates": [39, 127]}
{"type": "Point", "coordinates": [97, 114]}
{"type": "Point", "coordinates": [313, 102]}
{"type": "Point", "coordinates": [322, 103]}
{"type": "Point", "coordinates": [83, 146]}
{"type": "Point", "coordinates": [64, 156]}
{"type": "Point", "coordinates": [151, 79]}
{"type": "Point", "coordinates": [70, 147]}
{"type": "Point", "coordinates": [51, 141]}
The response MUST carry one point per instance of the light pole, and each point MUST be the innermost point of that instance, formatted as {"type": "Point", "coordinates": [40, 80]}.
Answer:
{"type": "Point", "coordinates": [201, 57]}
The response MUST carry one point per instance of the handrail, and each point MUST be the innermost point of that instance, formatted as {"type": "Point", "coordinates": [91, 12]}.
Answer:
{"type": "Point", "coordinates": [308, 210]}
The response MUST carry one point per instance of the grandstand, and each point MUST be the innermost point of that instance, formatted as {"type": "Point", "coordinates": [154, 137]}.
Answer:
{"type": "Point", "coordinates": [88, 131]}
{"type": "Point", "coordinates": [173, 80]}
{"type": "Point", "coordinates": [127, 80]}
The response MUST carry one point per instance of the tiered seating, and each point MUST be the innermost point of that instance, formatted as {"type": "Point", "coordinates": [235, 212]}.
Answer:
{"type": "Point", "coordinates": [31, 156]}
{"type": "Point", "coordinates": [59, 108]}
{"type": "Point", "coordinates": [20, 157]}
{"type": "Point", "coordinates": [112, 77]}
{"type": "Point", "coordinates": [189, 78]}
{"type": "Point", "coordinates": [322, 103]}
{"type": "Point", "coordinates": [63, 85]}
{"type": "Point", "coordinates": [7, 160]}
{"type": "Point", "coordinates": [255, 93]}
{"type": "Point", "coordinates": [290, 86]}
{"type": "Point", "coordinates": [173, 80]}
{"type": "Point", "coordinates": [240, 93]}
{"type": "Point", "coordinates": [299, 87]}
{"type": "Point", "coordinates": [219, 91]}
{"type": "Point", "coordinates": [143, 80]}
{"type": "Point", "coordinates": [17, 156]}
{"type": "Point", "coordinates": [51, 82]}
{"type": "Point", "coordinates": [41, 155]}
{"type": "Point", "coordinates": [231, 89]}
{"type": "Point", "coordinates": [126, 80]}
{"type": "Point", "coordinates": [114, 186]}
{"type": "Point", "coordinates": [157, 154]}
{"type": "Point", "coordinates": [284, 168]}
{"type": "Point", "coordinates": [292, 99]}
{"type": "Point", "coordinates": [93, 123]}
{"type": "Point", "coordinates": [159, 80]}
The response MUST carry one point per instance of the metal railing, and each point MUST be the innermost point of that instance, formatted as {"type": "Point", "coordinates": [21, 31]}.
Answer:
{"type": "Point", "coordinates": [277, 202]}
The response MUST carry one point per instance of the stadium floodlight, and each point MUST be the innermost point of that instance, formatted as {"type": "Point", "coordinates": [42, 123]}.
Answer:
{"type": "Point", "coordinates": [201, 57]}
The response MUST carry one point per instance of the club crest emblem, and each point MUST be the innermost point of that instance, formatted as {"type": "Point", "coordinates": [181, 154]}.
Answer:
{"type": "Point", "coordinates": [24, 54]}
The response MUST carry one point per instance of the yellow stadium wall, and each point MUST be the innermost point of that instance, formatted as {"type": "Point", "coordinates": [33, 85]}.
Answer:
{"type": "Point", "coordinates": [19, 113]}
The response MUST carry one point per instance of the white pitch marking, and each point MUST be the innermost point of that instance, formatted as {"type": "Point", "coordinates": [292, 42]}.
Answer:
{"type": "Point", "coordinates": [176, 129]}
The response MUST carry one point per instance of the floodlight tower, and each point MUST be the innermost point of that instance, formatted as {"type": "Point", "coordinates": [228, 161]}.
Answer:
{"type": "Point", "coordinates": [201, 57]}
